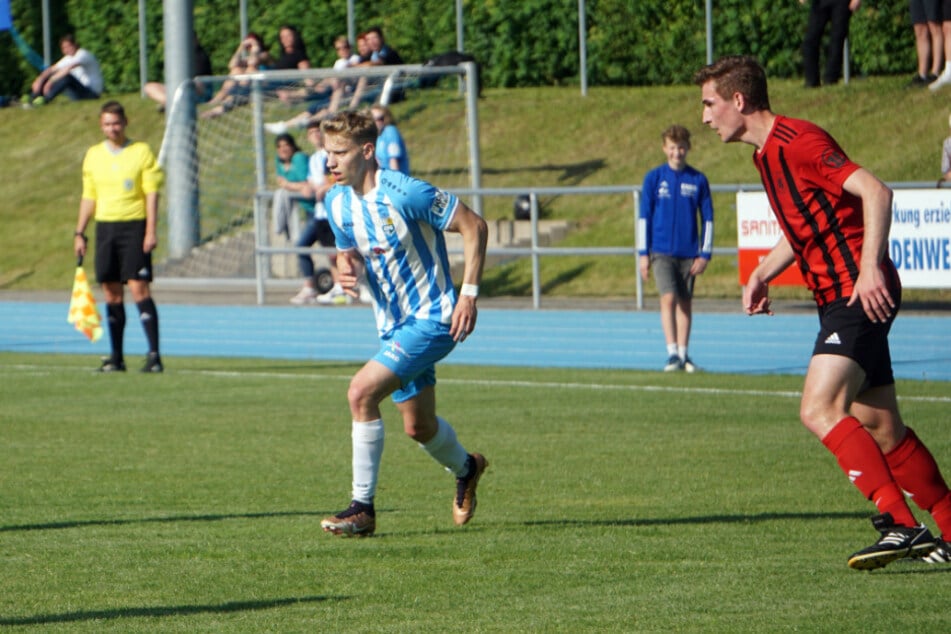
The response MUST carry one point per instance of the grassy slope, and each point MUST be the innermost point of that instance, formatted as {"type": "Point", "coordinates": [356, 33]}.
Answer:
{"type": "Point", "coordinates": [530, 137]}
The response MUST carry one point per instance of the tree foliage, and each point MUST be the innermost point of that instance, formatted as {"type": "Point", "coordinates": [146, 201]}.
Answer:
{"type": "Point", "coordinates": [524, 43]}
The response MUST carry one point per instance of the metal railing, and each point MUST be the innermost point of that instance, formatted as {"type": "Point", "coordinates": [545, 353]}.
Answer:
{"type": "Point", "coordinates": [535, 251]}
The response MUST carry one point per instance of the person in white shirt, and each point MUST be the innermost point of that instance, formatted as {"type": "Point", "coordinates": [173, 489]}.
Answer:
{"type": "Point", "coordinates": [77, 75]}
{"type": "Point", "coordinates": [338, 88]}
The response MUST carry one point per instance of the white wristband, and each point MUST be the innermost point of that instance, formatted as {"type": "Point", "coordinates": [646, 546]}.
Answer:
{"type": "Point", "coordinates": [469, 290]}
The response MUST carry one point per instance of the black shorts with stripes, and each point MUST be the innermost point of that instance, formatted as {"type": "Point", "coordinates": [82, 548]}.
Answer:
{"type": "Point", "coordinates": [119, 254]}
{"type": "Point", "coordinates": [847, 331]}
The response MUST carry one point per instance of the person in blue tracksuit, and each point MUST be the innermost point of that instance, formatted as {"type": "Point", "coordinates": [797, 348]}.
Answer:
{"type": "Point", "coordinates": [675, 238]}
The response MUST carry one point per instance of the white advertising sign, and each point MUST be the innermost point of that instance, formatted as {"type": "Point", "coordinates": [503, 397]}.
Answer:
{"type": "Point", "coordinates": [919, 241]}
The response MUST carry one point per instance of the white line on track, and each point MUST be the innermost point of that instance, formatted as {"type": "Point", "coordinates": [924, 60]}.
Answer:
{"type": "Point", "coordinates": [489, 383]}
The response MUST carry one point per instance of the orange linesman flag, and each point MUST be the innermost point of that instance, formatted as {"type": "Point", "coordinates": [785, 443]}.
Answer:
{"type": "Point", "coordinates": [83, 312]}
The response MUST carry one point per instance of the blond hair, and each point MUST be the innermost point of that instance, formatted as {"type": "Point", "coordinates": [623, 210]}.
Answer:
{"type": "Point", "coordinates": [356, 126]}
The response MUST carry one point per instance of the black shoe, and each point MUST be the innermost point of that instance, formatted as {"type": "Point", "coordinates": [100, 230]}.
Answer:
{"type": "Point", "coordinates": [941, 553]}
{"type": "Point", "coordinates": [674, 363]}
{"type": "Point", "coordinates": [896, 542]}
{"type": "Point", "coordinates": [153, 363]}
{"type": "Point", "coordinates": [918, 81]}
{"type": "Point", "coordinates": [112, 365]}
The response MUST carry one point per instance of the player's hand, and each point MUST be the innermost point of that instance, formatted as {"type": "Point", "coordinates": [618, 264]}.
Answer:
{"type": "Point", "coordinates": [463, 318]}
{"type": "Point", "coordinates": [349, 272]}
{"type": "Point", "coordinates": [756, 297]}
{"type": "Point", "coordinates": [870, 289]}
{"type": "Point", "coordinates": [644, 265]}
{"type": "Point", "coordinates": [149, 243]}
{"type": "Point", "coordinates": [699, 266]}
{"type": "Point", "coordinates": [350, 284]}
{"type": "Point", "coordinates": [79, 246]}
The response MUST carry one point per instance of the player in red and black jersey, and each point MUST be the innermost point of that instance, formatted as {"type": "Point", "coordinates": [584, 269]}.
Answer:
{"type": "Point", "coordinates": [835, 217]}
{"type": "Point", "coordinates": [821, 219]}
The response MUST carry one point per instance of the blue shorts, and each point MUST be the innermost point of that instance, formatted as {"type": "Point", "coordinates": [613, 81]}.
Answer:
{"type": "Point", "coordinates": [411, 351]}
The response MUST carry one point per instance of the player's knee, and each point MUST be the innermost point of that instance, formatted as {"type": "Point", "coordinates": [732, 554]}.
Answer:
{"type": "Point", "coordinates": [358, 394]}
{"type": "Point", "coordinates": [818, 418]}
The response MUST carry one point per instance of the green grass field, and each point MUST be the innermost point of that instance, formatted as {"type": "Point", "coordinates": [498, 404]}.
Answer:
{"type": "Point", "coordinates": [615, 501]}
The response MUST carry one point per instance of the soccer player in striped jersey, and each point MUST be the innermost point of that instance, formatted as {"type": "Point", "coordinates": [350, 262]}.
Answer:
{"type": "Point", "coordinates": [389, 229]}
{"type": "Point", "coordinates": [835, 217]}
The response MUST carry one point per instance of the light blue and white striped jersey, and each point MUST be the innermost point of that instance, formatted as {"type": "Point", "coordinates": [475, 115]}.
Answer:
{"type": "Point", "coordinates": [398, 229]}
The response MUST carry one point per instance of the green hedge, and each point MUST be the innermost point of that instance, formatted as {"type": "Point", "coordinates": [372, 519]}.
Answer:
{"type": "Point", "coordinates": [523, 43]}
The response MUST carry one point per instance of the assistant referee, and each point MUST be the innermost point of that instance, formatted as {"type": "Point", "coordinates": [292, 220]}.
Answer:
{"type": "Point", "coordinates": [121, 179]}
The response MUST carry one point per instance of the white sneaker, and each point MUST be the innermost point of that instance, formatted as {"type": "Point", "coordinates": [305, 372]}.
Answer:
{"type": "Point", "coordinates": [278, 127]}
{"type": "Point", "coordinates": [943, 80]}
{"type": "Point", "coordinates": [335, 295]}
{"type": "Point", "coordinates": [306, 295]}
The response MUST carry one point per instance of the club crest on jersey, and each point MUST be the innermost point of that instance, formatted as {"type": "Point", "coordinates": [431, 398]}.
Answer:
{"type": "Point", "coordinates": [440, 203]}
{"type": "Point", "coordinates": [833, 159]}
{"type": "Point", "coordinates": [388, 227]}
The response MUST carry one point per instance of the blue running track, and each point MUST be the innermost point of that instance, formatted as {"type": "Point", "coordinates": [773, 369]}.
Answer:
{"type": "Point", "coordinates": [720, 342]}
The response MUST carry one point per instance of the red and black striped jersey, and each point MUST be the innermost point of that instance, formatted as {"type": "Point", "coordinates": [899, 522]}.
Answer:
{"type": "Point", "coordinates": [803, 170]}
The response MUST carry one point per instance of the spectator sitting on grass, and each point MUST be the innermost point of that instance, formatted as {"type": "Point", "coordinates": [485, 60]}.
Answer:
{"type": "Point", "coordinates": [77, 74]}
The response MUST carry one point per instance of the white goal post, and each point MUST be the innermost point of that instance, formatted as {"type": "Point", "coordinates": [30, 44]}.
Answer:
{"type": "Point", "coordinates": [230, 157]}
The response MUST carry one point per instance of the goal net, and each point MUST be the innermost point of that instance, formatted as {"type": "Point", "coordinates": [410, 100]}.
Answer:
{"type": "Point", "coordinates": [231, 162]}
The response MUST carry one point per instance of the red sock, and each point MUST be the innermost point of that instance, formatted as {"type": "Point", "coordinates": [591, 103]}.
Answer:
{"type": "Point", "coordinates": [915, 470]}
{"type": "Point", "coordinates": [861, 459]}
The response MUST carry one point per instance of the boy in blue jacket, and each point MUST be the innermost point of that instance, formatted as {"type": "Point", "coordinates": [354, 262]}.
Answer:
{"type": "Point", "coordinates": [675, 238]}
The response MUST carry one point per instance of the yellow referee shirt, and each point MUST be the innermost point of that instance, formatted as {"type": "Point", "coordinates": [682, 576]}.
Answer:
{"type": "Point", "coordinates": [118, 181]}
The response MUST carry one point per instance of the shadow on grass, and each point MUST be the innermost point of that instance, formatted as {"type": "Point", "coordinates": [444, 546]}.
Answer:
{"type": "Point", "coordinates": [510, 282]}
{"type": "Point", "coordinates": [911, 567]}
{"type": "Point", "coordinates": [206, 517]}
{"type": "Point", "coordinates": [705, 519]}
{"type": "Point", "coordinates": [566, 173]}
{"type": "Point", "coordinates": [159, 611]}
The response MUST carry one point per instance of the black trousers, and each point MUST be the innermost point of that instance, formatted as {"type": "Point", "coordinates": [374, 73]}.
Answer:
{"type": "Point", "coordinates": [836, 14]}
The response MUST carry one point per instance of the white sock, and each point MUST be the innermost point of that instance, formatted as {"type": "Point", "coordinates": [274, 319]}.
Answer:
{"type": "Point", "coordinates": [367, 452]}
{"type": "Point", "coordinates": [682, 352]}
{"type": "Point", "coordinates": [445, 449]}
{"type": "Point", "coordinates": [671, 349]}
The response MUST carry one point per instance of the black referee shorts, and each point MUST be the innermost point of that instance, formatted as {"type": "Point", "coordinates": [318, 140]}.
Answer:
{"type": "Point", "coordinates": [119, 254]}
